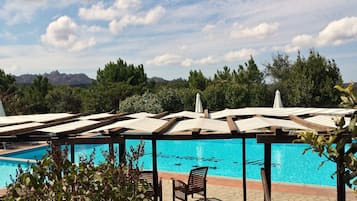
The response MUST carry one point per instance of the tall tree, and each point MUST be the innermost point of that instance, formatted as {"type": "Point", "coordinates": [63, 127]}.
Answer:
{"type": "Point", "coordinates": [8, 93]}
{"type": "Point", "coordinates": [250, 76]}
{"type": "Point", "coordinates": [122, 72]}
{"type": "Point", "coordinates": [64, 99]}
{"type": "Point", "coordinates": [278, 73]}
{"type": "Point", "coordinates": [197, 80]}
{"type": "Point", "coordinates": [311, 81]}
{"type": "Point", "coordinates": [34, 96]}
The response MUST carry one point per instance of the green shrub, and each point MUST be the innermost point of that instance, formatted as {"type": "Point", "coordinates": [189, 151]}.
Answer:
{"type": "Point", "coordinates": [54, 177]}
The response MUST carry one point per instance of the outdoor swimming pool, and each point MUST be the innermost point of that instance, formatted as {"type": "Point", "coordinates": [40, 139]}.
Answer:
{"type": "Point", "coordinates": [224, 157]}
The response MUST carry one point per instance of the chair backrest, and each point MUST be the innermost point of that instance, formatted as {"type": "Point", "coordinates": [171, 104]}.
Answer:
{"type": "Point", "coordinates": [265, 185]}
{"type": "Point", "coordinates": [197, 178]}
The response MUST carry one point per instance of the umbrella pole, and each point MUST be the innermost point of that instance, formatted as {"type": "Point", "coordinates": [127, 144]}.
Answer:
{"type": "Point", "coordinates": [154, 167]}
{"type": "Point", "coordinates": [244, 170]}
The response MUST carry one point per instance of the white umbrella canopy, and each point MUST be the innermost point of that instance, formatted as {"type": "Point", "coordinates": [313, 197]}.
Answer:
{"type": "Point", "coordinates": [277, 100]}
{"type": "Point", "coordinates": [198, 105]}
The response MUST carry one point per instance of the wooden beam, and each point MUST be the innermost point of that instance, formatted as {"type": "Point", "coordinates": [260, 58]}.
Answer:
{"type": "Point", "coordinates": [206, 114]}
{"type": "Point", "coordinates": [160, 115]}
{"type": "Point", "coordinates": [232, 125]}
{"type": "Point", "coordinates": [166, 126]}
{"type": "Point", "coordinates": [272, 138]}
{"type": "Point", "coordinates": [308, 124]}
{"type": "Point", "coordinates": [196, 131]}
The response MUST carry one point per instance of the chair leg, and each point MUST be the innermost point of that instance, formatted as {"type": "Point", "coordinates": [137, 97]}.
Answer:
{"type": "Point", "coordinates": [205, 195]}
{"type": "Point", "coordinates": [173, 190]}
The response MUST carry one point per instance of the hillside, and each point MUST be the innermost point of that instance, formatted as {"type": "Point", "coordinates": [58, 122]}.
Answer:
{"type": "Point", "coordinates": [57, 78]}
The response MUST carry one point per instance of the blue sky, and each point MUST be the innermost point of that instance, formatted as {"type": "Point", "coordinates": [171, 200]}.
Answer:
{"type": "Point", "coordinates": [172, 37]}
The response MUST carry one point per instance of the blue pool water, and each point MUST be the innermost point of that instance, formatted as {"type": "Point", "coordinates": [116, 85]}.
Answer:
{"type": "Point", "coordinates": [224, 157]}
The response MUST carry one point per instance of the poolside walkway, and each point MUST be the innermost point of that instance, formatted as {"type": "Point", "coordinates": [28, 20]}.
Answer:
{"type": "Point", "coordinates": [229, 189]}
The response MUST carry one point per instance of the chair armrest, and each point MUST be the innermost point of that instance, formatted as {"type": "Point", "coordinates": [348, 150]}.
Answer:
{"type": "Point", "coordinates": [179, 183]}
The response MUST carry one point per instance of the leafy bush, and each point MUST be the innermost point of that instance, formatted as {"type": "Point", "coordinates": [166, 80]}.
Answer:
{"type": "Point", "coordinates": [330, 146]}
{"type": "Point", "coordinates": [54, 177]}
{"type": "Point", "coordinates": [147, 102]}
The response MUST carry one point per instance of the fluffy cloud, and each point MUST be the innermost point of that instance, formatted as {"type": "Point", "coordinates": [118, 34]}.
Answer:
{"type": "Point", "coordinates": [64, 33]}
{"type": "Point", "coordinates": [121, 13]}
{"type": "Point", "coordinates": [241, 54]}
{"type": "Point", "coordinates": [125, 4]}
{"type": "Point", "coordinates": [165, 59]}
{"type": "Point", "coordinates": [116, 26]}
{"type": "Point", "coordinates": [174, 59]}
{"type": "Point", "coordinates": [335, 33]}
{"type": "Point", "coordinates": [98, 12]}
{"type": "Point", "coordinates": [260, 31]}
{"type": "Point", "coordinates": [338, 32]}
{"type": "Point", "coordinates": [16, 11]}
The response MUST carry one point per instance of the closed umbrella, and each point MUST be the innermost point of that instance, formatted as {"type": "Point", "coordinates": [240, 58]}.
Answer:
{"type": "Point", "coordinates": [198, 105]}
{"type": "Point", "coordinates": [277, 100]}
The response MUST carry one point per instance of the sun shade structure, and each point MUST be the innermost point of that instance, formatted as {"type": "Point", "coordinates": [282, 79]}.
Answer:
{"type": "Point", "coordinates": [186, 114]}
{"type": "Point", "coordinates": [267, 125]}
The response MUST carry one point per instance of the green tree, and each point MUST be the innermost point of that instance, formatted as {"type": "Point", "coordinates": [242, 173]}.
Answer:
{"type": "Point", "coordinates": [106, 97]}
{"type": "Point", "coordinates": [147, 102]}
{"type": "Point", "coordinates": [33, 97]}
{"type": "Point", "coordinates": [8, 95]}
{"type": "Point", "coordinates": [250, 77]}
{"type": "Point", "coordinates": [332, 145]}
{"type": "Point", "coordinates": [170, 99]}
{"type": "Point", "coordinates": [197, 80]}
{"type": "Point", "coordinates": [311, 81]}
{"type": "Point", "coordinates": [64, 99]}
{"type": "Point", "coordinates": [122, 72]}
{"type": "Point", "coordinates": [278, 73]}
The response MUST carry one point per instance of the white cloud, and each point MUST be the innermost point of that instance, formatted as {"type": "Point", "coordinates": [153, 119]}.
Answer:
{"type": "Point", "coordinates": [260, 31]}
{"type": "Point", "coordinates": [64, 33]}
{"type": "Point", "coordinates": [98, 12]}
{"type": "Point", "coordinates": [8, 36]}
{"type": "Point", "coordinates": [116, 26]}
{"type": "Point", "coordinates": [208, 28]}
{"type": "Point", "coordinates": [338, 32]}
{"type": "Point", "coordinates": [17, 11]}
{"type": "Point", "coordinates": [335, 33]}
{"type": "Point", "coordinates": [241, 54]}
{"type": "Point", "coordinates": [207, 60]}
{"type": "Point", "coordinates": [165, 59]}
{"type": "Point", "coordinates": [125, 4]}
{"type": "Point", "coordinates": [303, 40]}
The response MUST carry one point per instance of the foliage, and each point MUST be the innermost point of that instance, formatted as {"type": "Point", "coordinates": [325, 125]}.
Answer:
{"type": "Point", "coordinates": [311, 80]}
{"type": "Point", "coordinates": [64, 99]}
{"type": "Point", "coordinates": [197, 80]}
{"type": "Point", "coordinates": [170, 100]}
{"type": "Point", "coordinates": [33, 97]}
{"type": "Point", "coordinates": [188, 96]}
{"type": "Point", "coordinates": [330, 146]}
{"type": "Point", "coordinates": [106, 97]}
{"type": "Point", "coordinates": [8, 92]}
{"type": "Point", "coordinates": [56, 178]}
{"type": "Point", "coordinates": [122, 72]}
{"type": "Point", "coordinates": [147, 102]}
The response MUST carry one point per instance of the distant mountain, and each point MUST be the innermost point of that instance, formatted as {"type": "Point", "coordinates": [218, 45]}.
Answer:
{"type": "Point", "coordinates": [57, 78]}
{"type": "Point", "coordinates": [157, 79]}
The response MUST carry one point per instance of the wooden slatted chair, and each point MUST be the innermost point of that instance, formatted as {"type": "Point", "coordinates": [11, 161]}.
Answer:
{"type": "Point", "coordinates": [148, 176]}
{"type": "Point", "coordinates": [265, 185]}
{"type": "Point", "coordinates": [196, 184]}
